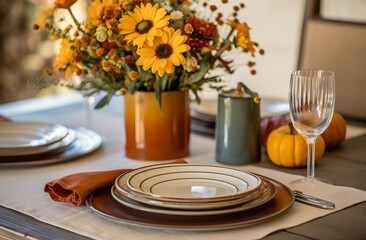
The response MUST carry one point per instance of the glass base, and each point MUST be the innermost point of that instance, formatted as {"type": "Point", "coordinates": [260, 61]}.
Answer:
{"type": "Point", "coordinates": [310, 185]}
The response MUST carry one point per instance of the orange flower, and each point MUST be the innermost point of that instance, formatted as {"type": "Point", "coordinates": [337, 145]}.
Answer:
{"type": "Point", "coordinates": [65, 59]}
{"type": "Point", "coordinates": [44, 14]}
{"type": "Point", "coordinates": [245, 43]}
{"type": "Point", "coordinates": [242, 28]}
{"type": "Point", "coordinates": [202, 34]}
{"type": "Point", "coordinates": [101, 10]}
{"type": "Point", "coordinates": [95, 13]}
{"type": "Point", "coordinates": [64, 3]}
{"type": "Point", "coordinates": [243, 38]}
{"type": "Point", "coordinates": [133, 75]}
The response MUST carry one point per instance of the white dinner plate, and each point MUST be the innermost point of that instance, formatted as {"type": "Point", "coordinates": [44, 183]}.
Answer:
{"type": "Point", "coordinates": [16, 137]}
{"type": "Point", "coordinates": [86, 142]}
{"type": "Point", "coordinates": [181, 185]}
{"type": "Point", "coordinates": [191, 183]}
{"type": "Point", "coordinates": [207, 109]}
{"type": "Point", "coordinates": [268, 192]}
{"type": "Point", "coordinates": [180, 205]}
{"type": "Point", "coordinates": [44, 149]}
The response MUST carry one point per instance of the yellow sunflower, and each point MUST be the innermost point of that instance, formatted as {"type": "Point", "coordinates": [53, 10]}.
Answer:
{"type": "Point", "coordinates": [144, 24]}
{"type": "Point", "coordinates": [165, 53]}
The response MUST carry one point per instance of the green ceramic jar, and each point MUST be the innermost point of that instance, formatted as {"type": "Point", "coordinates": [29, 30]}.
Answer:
{"type": "Point", "coordinates": [238, 127]}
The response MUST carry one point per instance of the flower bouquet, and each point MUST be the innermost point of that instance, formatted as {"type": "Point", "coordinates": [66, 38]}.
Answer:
{"type": "Point", "coordinates": [124, 46]}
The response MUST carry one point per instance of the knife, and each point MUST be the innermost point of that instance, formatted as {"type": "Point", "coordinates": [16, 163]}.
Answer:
{"type": "Point", "coordinates": [313, 201]}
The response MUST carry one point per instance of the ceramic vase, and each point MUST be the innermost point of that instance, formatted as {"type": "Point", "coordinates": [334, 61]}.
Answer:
{"type": "Point", "coordinates": [155, 132]}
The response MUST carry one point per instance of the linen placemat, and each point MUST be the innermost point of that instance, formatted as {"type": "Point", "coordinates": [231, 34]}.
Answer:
{"type": "Point", "coordinates": [299, 213]}
{"type": "Point", "coordinates": [84, 222]}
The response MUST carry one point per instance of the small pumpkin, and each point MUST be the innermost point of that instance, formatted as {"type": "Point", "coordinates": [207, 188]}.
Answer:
{"type": "Point", "coordinates": [287, 148]}
{"type": "Point", "coordinates": [335, 134]}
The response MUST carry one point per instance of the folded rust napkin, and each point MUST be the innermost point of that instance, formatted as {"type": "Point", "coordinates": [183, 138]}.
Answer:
{"type": "Point", "coordinates": [75, 188]}
{"type": "Point", "coordinates": [4, 119]}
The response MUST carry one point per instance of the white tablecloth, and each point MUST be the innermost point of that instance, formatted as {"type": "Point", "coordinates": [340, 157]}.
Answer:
{"type": "Point", "coordinates": [22, 189]}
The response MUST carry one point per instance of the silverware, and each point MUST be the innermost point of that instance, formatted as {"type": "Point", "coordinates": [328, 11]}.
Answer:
{"type": "Point", "coordinates": [313, 201]}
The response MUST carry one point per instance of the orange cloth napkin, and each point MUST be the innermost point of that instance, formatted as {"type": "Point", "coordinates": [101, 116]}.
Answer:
{"type": "Point", "coordinates": [75, 188]}
{"type": "Point", "coordinates": [4, 119]}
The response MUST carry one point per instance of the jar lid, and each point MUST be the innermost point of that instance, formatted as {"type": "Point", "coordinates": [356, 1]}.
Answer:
{"type": "Point", "coordinates": [238, 93]}
{"type": "Point", "coordinates": [242, 91]}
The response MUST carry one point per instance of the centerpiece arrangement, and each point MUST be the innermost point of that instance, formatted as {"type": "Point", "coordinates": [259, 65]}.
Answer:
{"type": "Point", "coordinates": [143, 47]}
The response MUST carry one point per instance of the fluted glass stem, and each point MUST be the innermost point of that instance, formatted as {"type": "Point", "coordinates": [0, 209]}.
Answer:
{"type": "Point", "coordinates": [90, 102]}
{"type": "Point", "coordinates": [311, 157]}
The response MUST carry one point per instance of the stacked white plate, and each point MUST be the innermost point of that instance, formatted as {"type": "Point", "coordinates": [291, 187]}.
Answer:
{"type": "Point", "coordinates": [36, 143]}
{"type": "Point", "coordinates": [203, 115]}
{"type": "Point", "coordinates": [191, 190]}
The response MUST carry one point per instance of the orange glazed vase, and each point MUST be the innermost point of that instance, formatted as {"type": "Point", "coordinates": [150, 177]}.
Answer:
{"type": "Point", "coordinates": [154, 133]}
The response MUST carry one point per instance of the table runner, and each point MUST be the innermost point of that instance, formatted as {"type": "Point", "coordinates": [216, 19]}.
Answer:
{"type": "Point", "coordinates": [30, 199]}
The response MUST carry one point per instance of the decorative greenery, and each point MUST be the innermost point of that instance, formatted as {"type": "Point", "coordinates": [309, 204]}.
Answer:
{"type": "Point", "coordinates": [124, 46]}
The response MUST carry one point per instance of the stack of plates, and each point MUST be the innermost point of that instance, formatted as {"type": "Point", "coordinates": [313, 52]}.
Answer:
{"type": "Point", "coordinates": [164, 196]}
{"type": "Point", "coordinates": [203, 115]}
{"type": "Point", "coordinates": [36, 143]}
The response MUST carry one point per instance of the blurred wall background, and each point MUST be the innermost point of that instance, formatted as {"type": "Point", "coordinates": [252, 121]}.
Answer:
{"type": "Point", "coordinates": [18, 43]}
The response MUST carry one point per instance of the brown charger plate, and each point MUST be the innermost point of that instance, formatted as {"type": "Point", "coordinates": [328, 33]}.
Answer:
{"type": "Point", "coordinates": [102, 203]}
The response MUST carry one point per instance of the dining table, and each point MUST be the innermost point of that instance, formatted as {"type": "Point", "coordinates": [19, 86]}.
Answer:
{"type": "Point", "coordinates": [27, 212]}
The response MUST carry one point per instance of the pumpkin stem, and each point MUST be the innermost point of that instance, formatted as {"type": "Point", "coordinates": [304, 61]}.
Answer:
{"type": "Point", "coordinates": [292, 129]}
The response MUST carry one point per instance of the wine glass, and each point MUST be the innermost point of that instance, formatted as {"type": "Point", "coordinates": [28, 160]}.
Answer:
{"type": "Point", "coordinates": [90, 103]}
{"type": "Point", "coordinates": [311, 99]}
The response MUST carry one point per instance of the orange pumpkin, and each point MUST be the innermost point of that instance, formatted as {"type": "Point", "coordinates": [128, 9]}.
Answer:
{"type": "Point", "coordinates": [335, 134]}
{"type": "Point", "coordinates": [287, 148]}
